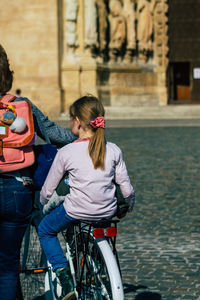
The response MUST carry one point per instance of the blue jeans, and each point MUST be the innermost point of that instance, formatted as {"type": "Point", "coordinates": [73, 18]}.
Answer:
{"type": "Point", "coordinates": [15, 212]}
{"type": "Point", "coordinates": [49, 227]}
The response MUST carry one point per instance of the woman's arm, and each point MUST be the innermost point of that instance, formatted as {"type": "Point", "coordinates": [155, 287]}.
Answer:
{"type": "Point", "coordinates": [57, 135]}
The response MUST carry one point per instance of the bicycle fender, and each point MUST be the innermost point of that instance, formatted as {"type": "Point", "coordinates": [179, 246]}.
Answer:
{"type": "Point", "coordinates": [112, 267]}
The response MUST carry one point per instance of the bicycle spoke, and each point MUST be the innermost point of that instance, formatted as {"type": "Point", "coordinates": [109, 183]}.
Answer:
{"type": "Point", "coordinates": [31, 277]}
{"type": "Point", "coordinates": [99, 278]}
{"type": "Point", "coordinates": [95, 281]}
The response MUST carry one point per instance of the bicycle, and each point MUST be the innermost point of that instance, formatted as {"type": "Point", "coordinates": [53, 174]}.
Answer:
{"type": "Point", "coordinates": [80, 239]}
{"type": "Point", "coordinates": [93, 260]}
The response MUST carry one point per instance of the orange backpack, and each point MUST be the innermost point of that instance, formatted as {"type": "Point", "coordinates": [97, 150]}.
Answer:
{"type": "Point", "coordinates": [15, 152]}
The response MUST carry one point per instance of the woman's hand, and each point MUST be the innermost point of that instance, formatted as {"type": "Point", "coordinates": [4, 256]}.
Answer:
{"type": "Point", "coordinates": [54, 202]}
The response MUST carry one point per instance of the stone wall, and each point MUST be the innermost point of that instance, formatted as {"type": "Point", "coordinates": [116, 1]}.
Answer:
{"type": "Point", "coordinates": [127, 85]}
{"type": "Point", "coordinates": [28, 32]}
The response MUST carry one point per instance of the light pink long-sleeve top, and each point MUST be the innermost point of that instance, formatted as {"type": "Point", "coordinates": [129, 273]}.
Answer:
{"type": "Point", "coordinates": [92, 191]}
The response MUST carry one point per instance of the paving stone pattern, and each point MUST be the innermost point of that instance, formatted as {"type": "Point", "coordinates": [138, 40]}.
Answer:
{"type": "Point", "coordinates": [159, 243]}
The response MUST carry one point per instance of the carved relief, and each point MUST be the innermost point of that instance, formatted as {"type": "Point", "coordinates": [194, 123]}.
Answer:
{"type": "Point", "coordinates": [71, 19]}
{"type": "Point", "coordinates": [119, 30]}
{"type": "Point", "coordinates": [90, 23]}
{"type": "Point", "coordinates": [130, 17]}
{"type": "Point", "coordinates": [102, 21]}
{"type": "Point", "coordinates": [145, 9]}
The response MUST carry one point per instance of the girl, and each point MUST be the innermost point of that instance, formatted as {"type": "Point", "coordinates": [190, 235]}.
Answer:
{"type": "Point", "coordinates": [93, 165]}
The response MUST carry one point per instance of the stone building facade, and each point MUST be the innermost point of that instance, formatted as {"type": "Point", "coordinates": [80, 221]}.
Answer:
{"type": "Point", "coordinates": [117, 50]}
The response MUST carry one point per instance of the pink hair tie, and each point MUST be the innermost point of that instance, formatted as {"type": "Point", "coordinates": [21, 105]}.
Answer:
{"type": "Point", "coordinates": [98, 122]}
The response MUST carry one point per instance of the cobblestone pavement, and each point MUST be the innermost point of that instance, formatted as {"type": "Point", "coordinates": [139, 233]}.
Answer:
{"type": "Point", "coordinates": [159, 243]}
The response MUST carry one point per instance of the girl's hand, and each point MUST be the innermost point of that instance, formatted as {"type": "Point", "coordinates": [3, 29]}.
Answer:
{"type": "Point", "coordinates": [130, 200]}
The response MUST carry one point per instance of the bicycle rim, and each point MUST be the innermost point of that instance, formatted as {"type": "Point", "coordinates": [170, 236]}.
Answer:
{"type": "Point", "coordinates": [32, 259]}
{"type": "Point", "coordinates": [95, 283]}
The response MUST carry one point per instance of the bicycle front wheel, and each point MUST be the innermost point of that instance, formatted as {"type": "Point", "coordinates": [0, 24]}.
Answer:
{"type": "Point", "coordinates": [97, 273]}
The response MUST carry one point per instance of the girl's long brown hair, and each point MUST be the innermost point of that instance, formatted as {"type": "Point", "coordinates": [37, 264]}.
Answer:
{"type": "Point", "coordinates": [86, 109]}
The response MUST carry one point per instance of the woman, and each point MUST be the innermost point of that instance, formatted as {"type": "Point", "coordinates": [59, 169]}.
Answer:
{"type": "Point", "coordinates": [15, 195]}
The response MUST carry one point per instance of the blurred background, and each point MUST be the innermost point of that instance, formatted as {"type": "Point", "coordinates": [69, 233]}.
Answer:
{"type": "Point", "coordinates": [130, 53]}
{"type": "Point", "coordinates": [142, 59]}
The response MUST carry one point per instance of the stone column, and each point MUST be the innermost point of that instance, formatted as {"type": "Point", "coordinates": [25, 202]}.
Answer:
{"type": "Point", "coordinates": [161, 48]}
{"type": "Point", "coordinates": [79, 67]}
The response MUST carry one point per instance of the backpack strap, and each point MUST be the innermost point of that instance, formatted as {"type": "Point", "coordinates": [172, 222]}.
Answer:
{"type": "Point", "coordinates": [7, 99]}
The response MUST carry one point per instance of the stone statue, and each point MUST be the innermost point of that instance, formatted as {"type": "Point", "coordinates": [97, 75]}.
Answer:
{"type": "Point", "coordinates": [145, 9]}
{"type": "Point", "coordinates": [90, 36]}
{"type": "Point", "coordinates": [102, 26]}
{"type": "Point", "coordinates": [117, 29]}
{"type": "Point", "coordinates": [71, 19]}
{"type": "Point", "coordinates": [130, 16]}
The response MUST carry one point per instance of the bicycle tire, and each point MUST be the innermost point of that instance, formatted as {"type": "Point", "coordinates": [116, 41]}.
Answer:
{"type": "Point", "coordinates": [101, 277]}
{"type": "Point", "coordinates": [32, 262]}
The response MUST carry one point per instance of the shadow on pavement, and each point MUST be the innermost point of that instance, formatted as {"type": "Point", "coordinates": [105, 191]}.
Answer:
{"type": "Point", "coordinates": [128, 288]}
{"type": "Point", "coordinates": [148, 296]}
